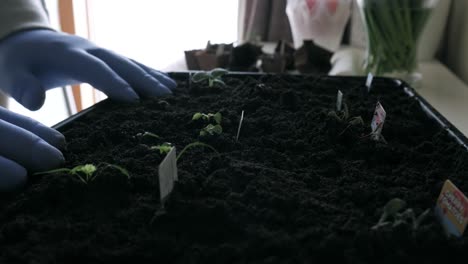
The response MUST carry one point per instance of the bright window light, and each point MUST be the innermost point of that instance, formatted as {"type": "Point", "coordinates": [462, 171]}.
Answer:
{"type": "Point", "coordinates": [157, 32]}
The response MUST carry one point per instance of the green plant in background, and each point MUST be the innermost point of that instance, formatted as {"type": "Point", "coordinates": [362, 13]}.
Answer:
{"type": "Point", "coordinates": [85, 173]}
{"type": "Point", "coordinates": [393, 29]}
{"type": "Point", "coordinates": [391, 215]}
{"type": "Point", "coordinates": [210, 129]}
{"type": "Point", "coordinates": [213, 77]}
{"type": "Point", "coordinates": [164, 148]}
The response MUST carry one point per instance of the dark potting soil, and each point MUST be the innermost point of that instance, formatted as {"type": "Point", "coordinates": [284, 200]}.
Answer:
{"type": "Point", "coordinates": [292, 190]}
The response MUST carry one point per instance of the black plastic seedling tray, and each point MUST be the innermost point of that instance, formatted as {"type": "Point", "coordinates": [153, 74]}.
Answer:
{"type": "Point", "coordinates": [298, 186]}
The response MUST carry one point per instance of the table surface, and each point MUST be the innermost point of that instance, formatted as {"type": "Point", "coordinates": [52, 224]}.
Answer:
{"type": "Point", "coordinates": [446, 93]}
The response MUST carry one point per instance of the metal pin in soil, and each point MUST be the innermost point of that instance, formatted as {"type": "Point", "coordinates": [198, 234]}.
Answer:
{"type": "Point", "coordinates": [240, 125]}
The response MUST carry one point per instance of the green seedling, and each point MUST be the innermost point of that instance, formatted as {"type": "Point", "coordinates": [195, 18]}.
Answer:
{"type": "Point", "coordinates": [194, 145]}
{"type": "Point", "coordinates": [210, 129]}
{"type": "Point", "coordinates": [207, 117]}
{"type": "Point", "coordinates": [391, 215]}
{"type": "Point", "coordinates": [344, 118]}
{"type": "Point", "coordinates": [148, 134]}
{"type": "Point", "coordinates": [213, 77]}
{"type": "Point", "coordinates": [163, 148]}
{"type": "Point", "coordinates": [85, 173]}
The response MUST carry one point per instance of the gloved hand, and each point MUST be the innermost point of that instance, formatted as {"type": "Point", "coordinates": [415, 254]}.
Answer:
{"type": "Point", "coordinates": [26, 145]}
{"type": "Point", "coordinates": [36, 60]}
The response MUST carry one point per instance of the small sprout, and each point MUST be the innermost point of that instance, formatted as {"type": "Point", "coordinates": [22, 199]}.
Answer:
{"type": "Point", "coordinates": [341, 116]}
{"type": "Point", "coordinates": [207, 117]}
{"type": "Point", "coordinates": [164, 104]}
{"type": "Point", "coordinates": [121, 169]}
{"type": "Point", "coordinates": [85, 173]}
{"type": "Point", "coordinates": [344, 118]}
{"type": "Point", "coordinates": [197, 116]}
{"type": "Point", "coordinates": [196, 144]}
{"type": "Point", "coordinates": [211, 130]}
{"type": "Point", "coordinates": [217, 117]}
{"type": "Point", "coordinates": [392, 217]}
{"type": "Point", "coordinates": [163, 148]}
{"type": "Point", "coordinates": [87, 169]}
{"type": "Point", "coordinates": [213, 77]}
{"type": "Point", "coordinates": [148, 134]}
{"type": "Point", "coordinates": [356, 121]}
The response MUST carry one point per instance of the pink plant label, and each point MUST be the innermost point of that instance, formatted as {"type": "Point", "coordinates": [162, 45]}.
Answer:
{"type": "Point", "coordinates": [378, 121]}
{"type": "Point", "coordinates": [452, 209]}
{"type": "Point", "coordinates": [332, 5]}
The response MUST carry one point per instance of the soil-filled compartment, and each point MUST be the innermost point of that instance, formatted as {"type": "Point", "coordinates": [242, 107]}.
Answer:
{"type": "Point", "coordinates": [296, 187]}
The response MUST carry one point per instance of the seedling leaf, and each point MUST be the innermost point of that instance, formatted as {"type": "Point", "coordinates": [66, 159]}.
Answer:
{"type": "Point", "coordinates": [345, 111]}
{"type": "Point", "coordinates": [121, 169]}
{"type": "Point", "coordinates": [218, 81]}
{"type": "Point", "coordinates": [356, 121]}
{"type": "Point", "coordinates": [197, 116]}
{"type": "Point", "coordinates": [149, 134]}
{"type": "Point", "coordinates": [421, 218]}
{"type": "Point", "coordinates": [87, 169]}
{"type": "Point", "coordinates": [217, 117]}
{"type": "Point", "coordinates": [391, 210]}
{"type": "Point", "coordinates": [84, 173]}
{"type": "Point", "coordinates": [218, 72]}
{"type": "Point", "coordinates": [64, 170]}
{"type": "Point", "coordinates": [394, 206]}
{"type": "Point", "coordinates": [163, 148]}
{"type": "Point", "coordinates": [211, 130]}
{"type": "Point", "coordinates": [196, 144]}
{"type": "Point", "coordinates": [200, 77]}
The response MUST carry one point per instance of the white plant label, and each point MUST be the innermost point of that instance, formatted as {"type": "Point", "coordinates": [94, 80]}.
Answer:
{"type": "Point", "coordinates": [167, 174]}
{"type": "Point", "coordinates": [378, 121]}
{"type": "Point", "coordinates": [240, 125]}
{"type": "Point", "coordinates": [339, 101]}
{"type": "Point", "coordinates": [369, 80]}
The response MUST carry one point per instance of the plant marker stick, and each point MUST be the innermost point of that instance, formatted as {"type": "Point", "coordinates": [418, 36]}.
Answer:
{"type": "Point", "coordinates": [240, 125]}
{"type": "Point", "coordinates": [378, 121]}
{"type": "Point", "coordinates": [167, 174]}
{"type": "Point", "coordinates": [339, 101]}
{"type": "Point", "coordinates": [369, 80]}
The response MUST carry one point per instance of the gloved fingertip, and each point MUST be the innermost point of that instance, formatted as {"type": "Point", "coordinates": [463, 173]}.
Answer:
{"type": "Point", "coordinates": [13, 175]}
{"type": "Point", "coordinates": [124, 94]}
{"type": "Point", "coordinates": [163, 90]}
{"type": "Point", "coordinates": [33, 101]}
{"type": "Point", "coordinates": [46, 157]}
{"type": "Point", "coordinates": [164, 87]}
{"type": "Point", "coordinates": [132, 96]}
{"type": "Point", "coordinates": [58, 140]}
{"type": "Point", "coordinates": [171, 84]}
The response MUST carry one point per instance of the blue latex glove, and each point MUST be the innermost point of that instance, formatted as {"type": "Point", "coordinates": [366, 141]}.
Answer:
{"type": "Point", "coordinates": [36, 60]}
{"type": "Point", "coordinates": [26, 145]}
